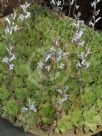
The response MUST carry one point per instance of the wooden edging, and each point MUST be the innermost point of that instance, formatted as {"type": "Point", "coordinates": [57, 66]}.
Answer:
{"type": "Point", "coordinates": [38, 132]}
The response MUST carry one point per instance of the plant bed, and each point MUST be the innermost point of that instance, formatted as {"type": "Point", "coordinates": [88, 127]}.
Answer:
{"type": "Point", "coordinates": [50, 75]}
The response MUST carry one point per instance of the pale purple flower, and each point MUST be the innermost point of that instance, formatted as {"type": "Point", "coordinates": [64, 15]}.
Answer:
{"type": "Point", "coordinates": [63, 99]}
{"type": "Point", "coordinates": [11, 66]}
{"type": "Point", "coordinates": [59, 56]}
{"type": "Point", "coordinates": [31, 106]}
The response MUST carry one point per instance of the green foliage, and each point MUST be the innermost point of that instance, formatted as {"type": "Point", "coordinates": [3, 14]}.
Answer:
{"type": "Point", "coordinates": [76, 117]}
{"type": "Point", "coordinates": [2, 49]}
{"type": "Point", "coordinates": [21, 93]}
{"type": "Point", "coordinates": [10, 107]}
{"type": "Point", "coordinates": [26, 81]}
{"type": "Point", "coordinates": [4, 93]}
{"type": "Point", "coordinates": [64, 124]}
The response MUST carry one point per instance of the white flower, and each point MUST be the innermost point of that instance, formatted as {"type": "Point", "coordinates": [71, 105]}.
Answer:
{"type": "Point", "coordinates": [58, 3]}
{"type": "Point", "coordinates": [13, 57]}
{"type": "Point", "coordinates": [48, 56]}
{"type": "Point", "coordinates": [85, 64]}
{"type": "Point", "coordinates": [23, 109]}
{"type": "Point", "coordinates": [15, 28]}
{"type": "Point", "coordinates": [97, 12]}
{"type": "Point", "coordinates": [30, 107]}
{"type": "Point", "coordinates": [41, 65]}
{"type": "Point", "coordinates": [98, 1]}
{"type": "Point", "coordinates": [72, 2]}
{"type": "Point", "coordinates": [84, 54]}
{"type": "Point", "coordinates": [27, 15]}
{"type": "Point", "coordinates": [65, 96]}
{"type": "Point", "coordinates": [9, 50]}
{"type": "Point", "coordinates": [53, 2]}
{"type": "Point", "coordinates": [77, 36]}
{"type": "Point", "coordinates": [14, 15]}
{"type": "Point", "coordinates": [59, 56]}
{"type": "Point", "coordinates": [62, 100]}
{"type": "Point", "coordinates": [61, 66]}
{"type": "Point", "coordinates": [48, 68]}
{"type": "Point", "coordinates": [21, 17]}
{"type": "Point", "coordinates": [25, 6]}
{"type": "Point", "coordinates": [66, 88]}
{"type": "Point", "coordinates": [97, 19]}
{"type": "Point", "coordinates": [93, 4]}
{"type": "Point", "coordinates": [52, 49]}
{"type": "Point", "coordinates": [82, 64]}
{"type": "Point", "coordinates": [59, 91]}
{"type": "Point", "coordinates": [5, 60]}
{"type": "Point", "coordinates": [78, 65]}
{"type": "Point", "coordinates": [77, 7]}
{"type": "Point", "coordinates": [91, 23]}
{"type": "Point", "coordinates": [81, 43]}
{"type": "Point", "coordinates": [8, 30]}
{"type": "Point", "coordinates": [8, 20]}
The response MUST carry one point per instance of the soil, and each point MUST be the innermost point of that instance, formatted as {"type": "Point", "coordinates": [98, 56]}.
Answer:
{"type": "Point", "coordinates": [7, 129]}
